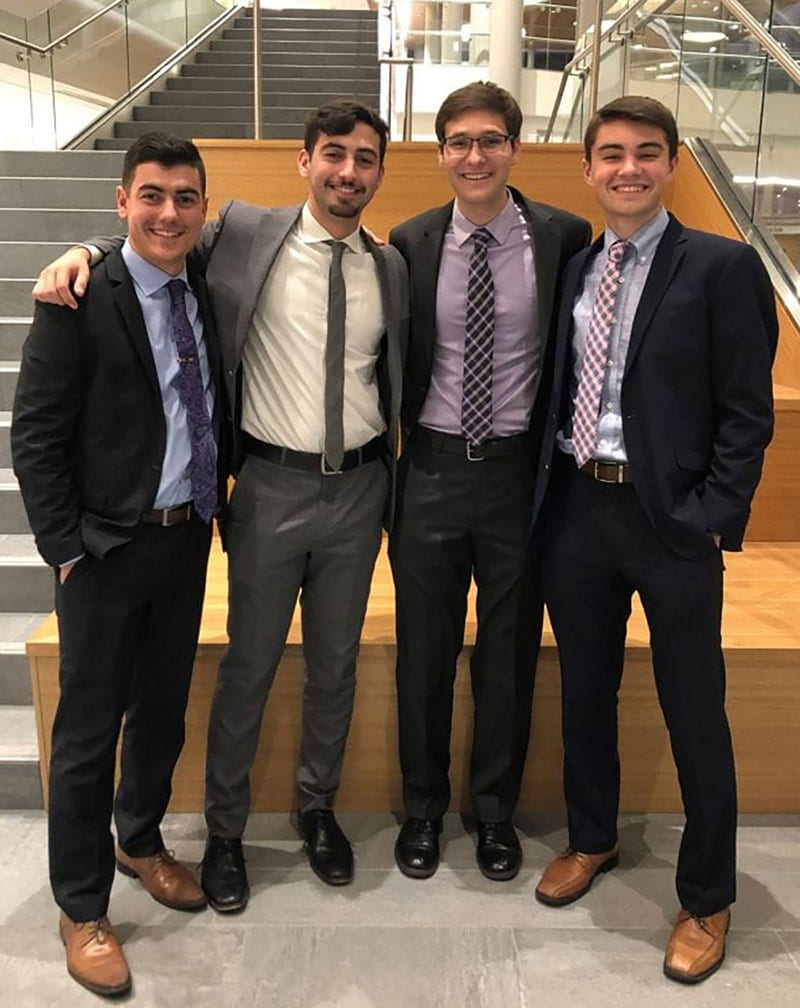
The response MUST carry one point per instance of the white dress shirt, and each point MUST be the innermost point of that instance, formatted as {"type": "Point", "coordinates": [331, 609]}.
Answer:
{"type": "Point", "coordinates": [283, 387]}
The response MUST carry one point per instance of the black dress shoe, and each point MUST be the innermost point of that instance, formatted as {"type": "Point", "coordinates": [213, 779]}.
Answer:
{"type": "Point", "coordinates": [328, 849]}
{"type": "Point", "coordinates": [499, 854]}
{"type": "Point", "coordinates": [223, 875]}
{"type": "Point", "coordinates": [416, 849]}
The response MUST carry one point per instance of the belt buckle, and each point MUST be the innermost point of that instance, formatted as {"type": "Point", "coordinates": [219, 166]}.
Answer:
{"type": "Point", "coordinates": [596, 473]}
{"type": "Point", "coordinates": [323, 467]}
{"type": "Point", "coordinates": [166, 523]}
{"type": "Point", "coordinates": [470, 456]}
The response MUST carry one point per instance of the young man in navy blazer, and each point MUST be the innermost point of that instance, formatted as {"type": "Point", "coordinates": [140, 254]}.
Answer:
{"type": "Point", "coordinates": [644, 492]}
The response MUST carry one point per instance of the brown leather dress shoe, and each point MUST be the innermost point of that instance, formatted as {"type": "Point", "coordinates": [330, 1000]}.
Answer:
{"type": "Point", "coordinates": [94, 956]}
{"type": "Point", "coordinates": [696, 947]}
{"type": "Point", "coordinates": [167, 881]}
{"type": "Point", "coordinates": [571, 874]}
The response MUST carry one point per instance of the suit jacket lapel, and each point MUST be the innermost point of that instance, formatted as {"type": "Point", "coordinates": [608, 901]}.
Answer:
{"type": "Point", "coordinates": [427, 260]}
{"type": "Point", "coordinates": [268, 238]}
{"type": "Point", "coordinates": [130, 313]}
{"type": "Point", "coordinates": [546, 256]}
{"type": "Point", "coordinates": [669, 252]}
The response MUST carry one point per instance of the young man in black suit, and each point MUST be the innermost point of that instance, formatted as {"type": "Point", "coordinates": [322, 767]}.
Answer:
{"type": "Point", "coordinates": [661, 411]}
{"type": "Point", "coordinates": [116, 446]}
{"type": "Point", "coordinates": [483, 273]}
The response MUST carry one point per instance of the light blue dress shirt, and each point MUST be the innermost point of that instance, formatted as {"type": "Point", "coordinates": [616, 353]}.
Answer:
{"type": "Point", "coordinates": [610, 444]}
{"type": "Point", "coordinates": [149, 281]}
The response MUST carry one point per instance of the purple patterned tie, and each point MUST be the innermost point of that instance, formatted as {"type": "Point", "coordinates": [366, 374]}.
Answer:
{"type": "Point", "coordinates": [476, 402]}
{"type": "Point", "coordinates": [593, 369]}
{"type": "Point", "coordinates": [203, 465]}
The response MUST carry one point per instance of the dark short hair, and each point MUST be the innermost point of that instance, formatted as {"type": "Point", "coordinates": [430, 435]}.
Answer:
{"type": "Point", "coordinates": [636, 109]}
{"type": "Point", "coordinates": [338, 118]}
{"type": "Point", "coordinates": [166, 150]}
{"type": "Point", "coordinates": [481, 96]}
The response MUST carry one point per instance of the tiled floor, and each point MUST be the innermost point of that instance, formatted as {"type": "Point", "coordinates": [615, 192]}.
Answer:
{"type": "Point", "coordinates": [453, 941]}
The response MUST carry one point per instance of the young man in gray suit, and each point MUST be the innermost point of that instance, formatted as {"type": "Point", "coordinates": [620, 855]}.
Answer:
{"type": "Point", "coordinates": [314, 462]}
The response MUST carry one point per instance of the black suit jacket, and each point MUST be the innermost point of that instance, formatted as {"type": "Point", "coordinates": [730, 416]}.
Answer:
{"type": "Point", "coordinates": [697, 387]}
{"type": "Point", "coordinates": [556, 235]}
{"type": "Point", "coordinates": [88, 432]}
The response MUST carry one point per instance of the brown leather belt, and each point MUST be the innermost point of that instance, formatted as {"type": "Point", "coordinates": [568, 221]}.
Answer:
{"type": "Point", "coordinates": [166, 517]}
{"type": "Point", "coordinates": [453, 444]}
{"type": "Point", "coordinates": [608, 472]}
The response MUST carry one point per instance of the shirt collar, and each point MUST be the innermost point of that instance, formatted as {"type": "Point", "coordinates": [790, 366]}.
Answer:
{"type": "Point", "coordinates": [645, 239]}
{"type": "Point", "coordinates": [499, 227]}
{"type": "Point", "coordinates": [147, 277]}
{"type": "Point", "coordinates": [310, 231]}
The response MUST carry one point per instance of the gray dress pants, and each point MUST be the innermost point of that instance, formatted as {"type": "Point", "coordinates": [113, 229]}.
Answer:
{"type": "Point", "coordinates": [292, 532]}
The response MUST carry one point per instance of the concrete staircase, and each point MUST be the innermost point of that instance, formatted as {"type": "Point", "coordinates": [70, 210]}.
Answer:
{"type": "Point", "coordinates": [307, 56]}
{"type": "Point", "coordinates": [47, 200]}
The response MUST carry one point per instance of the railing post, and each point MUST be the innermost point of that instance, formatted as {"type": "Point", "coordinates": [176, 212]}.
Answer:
{"type": "Point", "coordinates": [257, 117]}
{"type": "Point", "coordinates": [594, 81]}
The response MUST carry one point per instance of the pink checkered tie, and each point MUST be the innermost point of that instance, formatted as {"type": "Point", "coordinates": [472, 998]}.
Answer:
{"type": "Point", "coordinates": [587, 398]}
{"type": "Point", "coordinates": [476, 396]}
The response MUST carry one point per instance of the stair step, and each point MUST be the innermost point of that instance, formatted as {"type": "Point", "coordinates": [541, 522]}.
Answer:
{"type": "Point", "coordinates": [15, 293]}
{"type": "Point", "coordinates": [194, 76]}
{"type": "Point", "coordinates": [191, 104]}
{"type": "Point", "coordinates": [20, 784]}
{"type": "Point", "coordinates": [5, 442]}
{"type": "Point", "coordinates": [88, 193]}
{"type": "Point", "coordinates": [365, 45]}
{"type": "Point", "coordinates": [285, 131]}
{"type": "Point", "coordinates": [85, 164]}
{"type": "Point", "coordinates": [280, 54]}
{"type": "Point", "coordinates": [25, 259]}
{"type": "Point", "coordinates": [56, 225]}
{"type": "Point", "coordinates": [26, 582]}
{"type": "Point", "coordinates": [316, 62]}
{"type": "Point", "coordinates": [280, 91]}
{"type": "Point", "coordinates": [15, 679]}
{"type": "Point", "coordinates": [12, 335]}
{"type": "Point", "coordinates": [13, 520]}
{"type": "Point", "coordinates": [9, 372]}
{"type": "Point", "coordinates": [222, 130]}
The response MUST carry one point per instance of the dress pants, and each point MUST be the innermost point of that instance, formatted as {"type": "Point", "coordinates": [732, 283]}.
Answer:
{"type": "Point", "coordinates": [128, 628]}
{"type": "Point", "coordinates": [600, 547]}
{"type": "Point", "coordinates": [292, 531]}
{"type": "Point", "coordinates": [455, 520]}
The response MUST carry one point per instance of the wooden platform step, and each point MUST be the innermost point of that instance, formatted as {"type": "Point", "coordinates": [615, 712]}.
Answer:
{"type": "Point", "coordinates": [761, 636]}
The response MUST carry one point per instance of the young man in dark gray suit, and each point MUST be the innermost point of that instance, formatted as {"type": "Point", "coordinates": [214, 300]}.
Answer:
{"type": "Point", "coordinates": [304, 516]}
{"type": "Point", "coordinates": [483, 273]}
{"type": "Point", "coordinates": [117, 448]}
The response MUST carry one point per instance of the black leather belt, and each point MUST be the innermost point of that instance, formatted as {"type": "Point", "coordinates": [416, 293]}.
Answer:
{"type": "Point", "coordinates": [167, 517]}
{"type": "Point", "coordinates": [310, 461]}
{"type": "Point", "coordinates": [516, 444]}
{"type": "Point", "coordinates": [608, 472]}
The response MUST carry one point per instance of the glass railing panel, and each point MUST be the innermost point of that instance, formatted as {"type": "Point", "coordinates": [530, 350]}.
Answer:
{"type": "Point", "coordinates": [777, 179]}
{"type": "Point", "coordinates": [446, 33]}
{"type": "Point", "coordinates": [70, 86]}
{"type": "Point", "coordinates": [548, 41]}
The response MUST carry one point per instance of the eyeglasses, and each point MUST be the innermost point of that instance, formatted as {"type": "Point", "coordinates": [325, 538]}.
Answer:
{"type": "Point", "coordinates": [489, 143]}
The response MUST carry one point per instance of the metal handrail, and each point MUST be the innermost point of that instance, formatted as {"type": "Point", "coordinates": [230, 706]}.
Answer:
{"type": "Point", "coordinates": [772, 47]}
{"type": "Point", "coordinates": [44, 50]}
{"type": "Point", "coordinates": [408, 110]}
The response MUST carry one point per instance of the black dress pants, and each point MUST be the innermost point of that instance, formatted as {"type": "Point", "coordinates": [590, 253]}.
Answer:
{"type": "Point", "coordinates": [128, 628]}
{"type": "Point", "coordinates": [599, 547]}
{"type": "Point", "coordinates": [456, 520]}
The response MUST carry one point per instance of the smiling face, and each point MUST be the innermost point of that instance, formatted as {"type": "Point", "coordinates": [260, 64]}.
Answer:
{"type": "Point", "coordinates": [629, 169]}
{"type": "Point", "coordinates": [165, 209]}
{"type": "Point", "coordinates": [343, 175]}
{"type": "Point", "coordinates": [478, 179]}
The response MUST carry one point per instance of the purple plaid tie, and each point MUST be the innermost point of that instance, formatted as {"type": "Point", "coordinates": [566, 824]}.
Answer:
{"type": "Point", "coordinates": [593, 369]}
{"type": "Point", "coordinates": [476, 402]}
{"type": "Point", "coordinates": [203, 465]}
